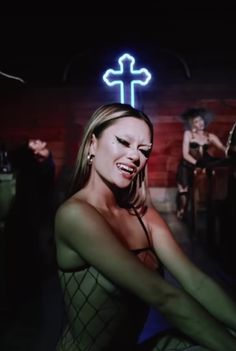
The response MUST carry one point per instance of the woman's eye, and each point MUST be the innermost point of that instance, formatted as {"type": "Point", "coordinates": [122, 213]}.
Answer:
{"type": "Point", "coordinates": [146, 153]}
{"type": "Point", "coordinates": [122, 141]}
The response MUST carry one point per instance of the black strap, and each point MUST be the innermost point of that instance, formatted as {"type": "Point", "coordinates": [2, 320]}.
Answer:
{"type": "Point", "coordinates": [143, 226]}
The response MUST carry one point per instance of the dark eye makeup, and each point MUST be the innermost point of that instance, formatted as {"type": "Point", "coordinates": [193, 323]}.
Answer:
{"type": "Point", "coordinates": [146, 153]}
{"type": "Point", "coordinates": [124, 142]}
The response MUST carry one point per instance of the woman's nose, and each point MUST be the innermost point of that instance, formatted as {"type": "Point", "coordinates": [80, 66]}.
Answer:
{"type": "Point", "coordinates": [133, 155]}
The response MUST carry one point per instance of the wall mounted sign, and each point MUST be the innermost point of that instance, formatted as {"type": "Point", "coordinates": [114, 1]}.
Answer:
{"type": "Point", "coordinates": [127, 77]}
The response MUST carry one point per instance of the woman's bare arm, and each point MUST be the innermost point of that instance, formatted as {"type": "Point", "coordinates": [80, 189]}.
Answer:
{"type": "Point", "coordinates": [86, 232]}
{"type": "Point", "coordinates": [217, 142]}
{"type": "Point", "coordinates": [195, 282]}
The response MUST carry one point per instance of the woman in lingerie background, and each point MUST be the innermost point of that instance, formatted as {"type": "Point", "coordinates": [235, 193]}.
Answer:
{"type": "Point", "coordinates": [195, 153]}
{"type": "Point", "coordinates": [112, 243]}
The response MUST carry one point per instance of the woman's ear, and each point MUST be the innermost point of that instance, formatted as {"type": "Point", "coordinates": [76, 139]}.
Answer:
{"type": "Point", "coordinates": [93, 145]}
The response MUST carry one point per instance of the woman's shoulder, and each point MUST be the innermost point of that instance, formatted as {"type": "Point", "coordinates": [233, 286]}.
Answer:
{"type": "Point", "coordinates": [75, 208]}
{"type": "Point", "coordinates": [187, 134]}
{"type": "Point", "coordinates": [75, 213]}
{"type": "Point", "coordinates": [154, 219]}
{"type": "Point", "coordinates": [76, 220]}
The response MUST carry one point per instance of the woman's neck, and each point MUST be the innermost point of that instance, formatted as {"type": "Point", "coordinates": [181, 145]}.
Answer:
{"type": "Point", "coordinates": [101, 194]}
{"type": "Point", "coordinates": [199, 132]}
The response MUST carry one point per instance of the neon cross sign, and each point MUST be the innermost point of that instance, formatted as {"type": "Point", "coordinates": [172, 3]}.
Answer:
{"type": "Point", "coordinates": [127, 77]}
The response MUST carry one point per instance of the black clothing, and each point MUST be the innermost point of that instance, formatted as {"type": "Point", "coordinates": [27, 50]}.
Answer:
{"type": "Point", "coordinates": [28, 229]}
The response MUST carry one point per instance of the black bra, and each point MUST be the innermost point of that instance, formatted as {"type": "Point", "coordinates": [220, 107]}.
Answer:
{"type": "Point", "coordinates": [195, 145]}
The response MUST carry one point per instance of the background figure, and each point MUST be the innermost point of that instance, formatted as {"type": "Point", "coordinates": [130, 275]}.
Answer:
{"type": "Point", "coordinates": [195, 153]}
{"type": "Point", "coordinates": [29, 224]}
{"type": "Point", "coordinates": [112, 246]}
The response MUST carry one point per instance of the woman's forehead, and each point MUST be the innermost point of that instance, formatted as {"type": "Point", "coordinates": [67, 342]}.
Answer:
{"type": "Point", "coordinates": [130, 124]}
{"type": "Point", "coordinates": [197, 118]}
{"type": "Point", "coordinates": [130, 127]}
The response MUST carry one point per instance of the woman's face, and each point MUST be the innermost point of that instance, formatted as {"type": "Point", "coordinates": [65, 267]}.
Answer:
{"type": "Point", "coordinates": [198, 123]}
{"type": "Point", "coordinates": [121, 151]}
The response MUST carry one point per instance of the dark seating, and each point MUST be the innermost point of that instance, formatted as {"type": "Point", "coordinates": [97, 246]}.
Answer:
{"type": "Point", "coordinates": [213, 210]}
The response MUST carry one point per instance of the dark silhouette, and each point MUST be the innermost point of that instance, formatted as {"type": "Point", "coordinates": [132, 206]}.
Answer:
{"type": "Point", "coordinates": [28, 233]}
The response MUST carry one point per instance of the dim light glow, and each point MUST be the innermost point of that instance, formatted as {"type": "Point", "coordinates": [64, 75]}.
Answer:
{"type": "Point", "coordinates": [127, 77]}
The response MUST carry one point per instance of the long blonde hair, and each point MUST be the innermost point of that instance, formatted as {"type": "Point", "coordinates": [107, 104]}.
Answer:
{"type": "Point", "coordinates": [101, 119]}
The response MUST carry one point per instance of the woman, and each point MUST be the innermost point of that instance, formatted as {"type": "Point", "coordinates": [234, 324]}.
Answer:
{"type": "Point", "coordinates": [111, 244]}
{"type": "Point", "coordinates": [196, 142]}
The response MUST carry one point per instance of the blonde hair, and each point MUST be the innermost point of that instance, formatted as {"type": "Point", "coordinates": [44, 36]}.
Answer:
{"type": "Point", "coordinates": [101, 119]}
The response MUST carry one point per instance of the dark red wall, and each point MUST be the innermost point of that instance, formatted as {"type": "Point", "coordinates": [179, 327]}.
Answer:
{"type": "Point", "coordinates": [57, 114]}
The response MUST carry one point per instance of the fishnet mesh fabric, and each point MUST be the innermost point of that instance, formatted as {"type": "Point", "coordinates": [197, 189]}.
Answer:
{"type": "Point", "coordinates": [95, 311]}
{"type": "Point", "coordinates": [175, 343]}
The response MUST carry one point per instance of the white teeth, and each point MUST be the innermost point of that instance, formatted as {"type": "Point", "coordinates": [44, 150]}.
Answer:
{"type": "Point", "coordinates": [125, 168]}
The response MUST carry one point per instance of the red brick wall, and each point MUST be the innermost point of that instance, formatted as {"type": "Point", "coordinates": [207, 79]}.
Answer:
{"type": "Point", "coordinates": [58, 115]}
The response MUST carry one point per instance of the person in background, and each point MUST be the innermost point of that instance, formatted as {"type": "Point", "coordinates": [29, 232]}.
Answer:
{"type": "Point", "coordinates": [112, 246]}
{"type": "Point", "coordinates": [29, 223]}
{"type": "Point", "coordinates": [195, 154]}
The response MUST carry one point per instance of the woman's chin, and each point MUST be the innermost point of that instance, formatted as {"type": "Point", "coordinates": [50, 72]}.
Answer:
{"type": "Point", "coordinates": [122, 184]}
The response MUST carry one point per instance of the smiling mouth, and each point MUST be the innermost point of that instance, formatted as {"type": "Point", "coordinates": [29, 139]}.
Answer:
{"type": "Point", "coordinates": [126, 169]}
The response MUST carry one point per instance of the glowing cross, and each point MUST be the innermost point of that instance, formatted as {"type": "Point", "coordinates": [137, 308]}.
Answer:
{"type": "Point", "coordinates": [127, 77]}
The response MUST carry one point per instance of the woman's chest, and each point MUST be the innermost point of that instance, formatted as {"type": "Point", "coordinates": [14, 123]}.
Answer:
{"type": "Point", "coordinates": [131, 231]}
{"type": "Point", "coordinates": [199, 140]}
{"type": "Point", "coordinates": [135, 236]}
